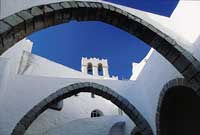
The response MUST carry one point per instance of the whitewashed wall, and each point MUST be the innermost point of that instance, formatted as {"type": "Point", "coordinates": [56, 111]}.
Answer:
{"type": "Point", "coordinates": [95, 126]}
{"type": "Point", "coordinates": [4, 74]}
{"type": "Point", "coordinates": [22, 89]}
{"type": "Point", "coordinates": [26, 91]}
{"type": "Point", "coordinates": [155, 74]}
{"type": "Point", "coordinates": [76, 107]}
{"type": "Point", "coordinates": [38, 66]}
{"type": "Point", "coordinates": [143, 92]}
{"type": "Point", "coordinates": [14, 55]}
{"type": "Point", "coordinates": [23, 92]}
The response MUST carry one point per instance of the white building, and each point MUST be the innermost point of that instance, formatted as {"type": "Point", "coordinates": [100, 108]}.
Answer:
{"type": "Point", "coordinates": [38, 96]}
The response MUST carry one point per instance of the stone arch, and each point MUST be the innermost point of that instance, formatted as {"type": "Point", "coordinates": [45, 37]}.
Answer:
{"type": "Point", "coordinates": [76, 88]}
{"type": "Point", "coordinates": [17, 26]}
{"type": "Point", "coordinates": [177, 90]}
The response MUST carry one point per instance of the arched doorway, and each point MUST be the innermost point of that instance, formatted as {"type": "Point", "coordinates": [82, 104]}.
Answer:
{"type": "Point", "coordinates": [76, 88]}
{"type": "Point", "coordinates": [179, 110]}
{"type": "Point", "coordinates": [23, 23]}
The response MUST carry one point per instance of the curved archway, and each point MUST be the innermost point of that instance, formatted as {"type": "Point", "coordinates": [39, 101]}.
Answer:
{"type": "Point", "coordinates": [76, 88]}
{"type": "Point", "coordinates": [178, 111]}
{"type": "Point", "coordinates": [23, 23]}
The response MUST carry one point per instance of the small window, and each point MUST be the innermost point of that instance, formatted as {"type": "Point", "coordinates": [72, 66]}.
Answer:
{"type": "Point", "coordinates": [89, 69]}
{"type": "Point", "coordinates": [100, 70]}
{"type": "Point", "coordinates": [96, 113]}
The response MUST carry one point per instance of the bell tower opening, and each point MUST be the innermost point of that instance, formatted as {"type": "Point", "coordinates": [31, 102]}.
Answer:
{"type": "Point", "coordinates": [100, 70]}
{"type": "Point", "coordinates": [89, 69]}
{"type": "Point", "coordinates": [96, 67]}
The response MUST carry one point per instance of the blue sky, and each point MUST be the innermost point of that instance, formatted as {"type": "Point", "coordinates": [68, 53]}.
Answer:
{"type": "Point", "coordinates": [161, 7]}
{"type": "Point", "coordinates": [67, 43]}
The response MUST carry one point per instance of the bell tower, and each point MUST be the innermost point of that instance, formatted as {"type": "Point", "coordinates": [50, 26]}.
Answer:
{"type": "Point", "coordinates": [96, 67]}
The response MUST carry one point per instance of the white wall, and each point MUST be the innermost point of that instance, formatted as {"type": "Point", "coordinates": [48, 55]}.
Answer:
{"type": "Point", "coordinates": [197, 48]}
{"type": "Point", "coordinates": [4, 73]}
{"type": "Point", "coordinates": [23, 92]}
{"type": "Point", "coordinates": [26, 91]}
{"type": "Point", "coordinates": [94, 126]}
{"type": "Point", "coordinates": [29, 87]}
{"type": "Point", "coordinates": [138, 67]}
{"type": "Point", "coordinates": [76, 107]}
{"type": "Point", "coordinates": [143, 93]}
{"type": "Point", "coordinates": [155, 74]}
{"type": "Point", "coordinates": [38, 66]}
{"type": "Point", "coordinates": [14, 55]}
